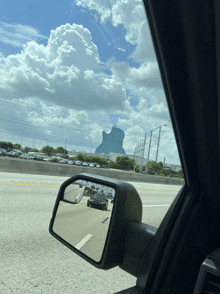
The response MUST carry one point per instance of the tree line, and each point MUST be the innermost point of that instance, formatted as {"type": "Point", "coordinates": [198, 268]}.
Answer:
{"type": "Point", "coordinates": [122, 162]}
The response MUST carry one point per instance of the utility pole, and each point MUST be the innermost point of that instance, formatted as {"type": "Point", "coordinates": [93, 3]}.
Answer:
{"type": "Point", "coordinates": [65, 147]}
{"type": "Point", "coordinates": [148, 156]}
{"type": "Point", "coordinates": [142, 153]}
{"type": "Point", "coordinates": [159, 141]}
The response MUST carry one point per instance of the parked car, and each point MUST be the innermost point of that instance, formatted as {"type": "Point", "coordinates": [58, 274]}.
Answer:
{"type": "Point", "coordinates": [39, 157]}
{"type": "Point", "coordinates": [91, 165]}
{"type": "Point", "coordinates": [23, 156]}
{"type": "Point", "coordinates": [54, 159]}
{"type": "Point", "coordinates": [97, 165]}
{"type": "Point", "coordinates": [64, 161]}
{"type": "Point", "coordinates": [13, 154]}
{"type": "Point", "coordinates": [2, 152]}
{"type": "Point", "coordinates": [85, 164]}
{"type": "Point", "coordinates": [70, 162]}
{"type": "Point", "coordinates": [104, 166]}
{"type": "Point", "coordinates": [78, 162]}
{"type": "Point", "coordinates": [47, 159]}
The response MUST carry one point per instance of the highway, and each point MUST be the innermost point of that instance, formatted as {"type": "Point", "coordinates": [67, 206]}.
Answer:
{"type": "Point", "coordinates": [32, 261]}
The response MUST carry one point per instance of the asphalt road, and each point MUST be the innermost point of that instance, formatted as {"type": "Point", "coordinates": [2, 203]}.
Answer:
{"type": "Point", "coordinates": [32, 261]}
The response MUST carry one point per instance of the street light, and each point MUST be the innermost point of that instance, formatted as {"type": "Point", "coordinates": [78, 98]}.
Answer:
{"type": "Point", "coordinates": [159, 141]}
{"type": "Point", "coordinates": [143, 147]}
{"type": "Point", "coordinates": [150, 142]}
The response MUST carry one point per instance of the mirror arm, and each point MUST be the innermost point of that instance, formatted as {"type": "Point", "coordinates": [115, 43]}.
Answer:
{"type": "Point", "coordinates": [138, 237]}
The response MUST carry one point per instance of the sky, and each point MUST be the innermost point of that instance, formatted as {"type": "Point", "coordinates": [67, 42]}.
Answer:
{"type": "Point", "coordinates": [71, 69]}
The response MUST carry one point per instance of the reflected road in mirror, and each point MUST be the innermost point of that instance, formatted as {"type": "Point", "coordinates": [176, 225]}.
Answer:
{"type": "Point", "coordinates": [85, 225]}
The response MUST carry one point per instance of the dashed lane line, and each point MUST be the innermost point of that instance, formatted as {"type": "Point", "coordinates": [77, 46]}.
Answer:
{"type": "Point", "coordinates": [83, 242]}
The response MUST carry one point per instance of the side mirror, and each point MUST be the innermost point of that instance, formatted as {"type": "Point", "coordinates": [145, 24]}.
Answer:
{"type": "Point", "coordinates": [91, 215]}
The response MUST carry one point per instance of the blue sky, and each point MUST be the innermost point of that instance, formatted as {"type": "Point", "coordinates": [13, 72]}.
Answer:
{"type": "Point", "coordinates": [71, 69]}
{"type": "Point", "coordinates": [43, 16]}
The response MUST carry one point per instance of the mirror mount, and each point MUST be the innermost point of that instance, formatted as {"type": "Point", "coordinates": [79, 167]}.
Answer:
{"type": "Point", "coordinates": [138, 237]}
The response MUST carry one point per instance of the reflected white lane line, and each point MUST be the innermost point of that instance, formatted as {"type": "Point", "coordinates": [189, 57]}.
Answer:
{"type": "Point", "coordinates": [160, 205]}
{"type": "Point", "coordinates": [83, 242]}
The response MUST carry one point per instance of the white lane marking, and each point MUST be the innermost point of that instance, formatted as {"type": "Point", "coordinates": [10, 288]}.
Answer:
{"type": "Point", "coordinates": [155, 205]}
{"type": "Point", "coordinates": [83, 242]}
{"type": "Point", "coordinates": [78, 196]}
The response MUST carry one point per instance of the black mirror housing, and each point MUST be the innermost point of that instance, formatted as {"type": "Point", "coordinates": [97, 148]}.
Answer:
{"type": "Point", "coordinates": [127, 209]}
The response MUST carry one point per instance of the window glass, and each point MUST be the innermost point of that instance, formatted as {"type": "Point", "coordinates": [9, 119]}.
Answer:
{"type": "Point", "coordinates": [80, 81]}
{"type": "Point", "coordinates": [80, 91]}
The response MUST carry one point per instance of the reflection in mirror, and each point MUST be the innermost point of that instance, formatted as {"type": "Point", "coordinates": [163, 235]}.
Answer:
{"type": "Point", "coordinates": [85, 225]}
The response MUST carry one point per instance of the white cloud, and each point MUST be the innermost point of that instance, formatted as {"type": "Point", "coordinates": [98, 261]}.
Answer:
{"type": "Point", "coordinates": [17, 35]}
{"type": "Point", "coordinates": [65, 72]}
{"type": "Point", "coordinates": [133, 134]}
{"type": "Point", "coordinates": [147, 75]}
{"type": "Point", "coordinates": [131, 14]}
{"type": "Point", "coordinates": [103, 7]}
{"type": "Point", "coordinates": [48, 122]}
{"type": "Point", "coordinates": [121, 49]}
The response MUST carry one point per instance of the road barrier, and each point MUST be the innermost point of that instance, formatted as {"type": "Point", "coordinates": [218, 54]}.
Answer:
{"type": "Point", "coordinates": [17, 165]}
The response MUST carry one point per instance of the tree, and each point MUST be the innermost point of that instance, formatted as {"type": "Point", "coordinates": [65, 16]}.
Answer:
{"type": "Point", "coordinates": [60, 150]}
{"type": "Point", "coordinates": [143, 167]}
{"type": "Point", "coordinates": [27, 149]}
{"type": "Point", "coordinates": [6, 145]}
{"type": "Point", "coordinates": [34, 150]}
{"type": "Point", "coordinates": [154, 168]}
{"type": "Point", "coordinates": [137, 168]}
{"type": "Point", "coordinates": [124, 162]}
{"type": "Point", "coordinates": [17, 146]}
{"type": "Point", "coordinates": [80, 157]}
{"type": "Point", "coordinates": [48, 150]}
{"type": "Point", "coordinates": [73, 158]}
{"type": "Point", "coordinates": [112, 164]}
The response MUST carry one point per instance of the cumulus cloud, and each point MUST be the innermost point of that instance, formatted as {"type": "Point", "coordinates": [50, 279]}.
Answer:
{"type": "Point", "coordinates": [103, 7]}
{"type": "Point", "coordinates": [17, 34]}
{"type": "Point", "coordinates": [131, 14]}
{"type": "Point", "coordinates": [147, 75]}
{"type": "Point", "coordinates": [66, 71]}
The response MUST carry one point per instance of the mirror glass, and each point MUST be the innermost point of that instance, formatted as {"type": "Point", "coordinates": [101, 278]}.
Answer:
{"type": "Point", "coordinates": [85, 225]}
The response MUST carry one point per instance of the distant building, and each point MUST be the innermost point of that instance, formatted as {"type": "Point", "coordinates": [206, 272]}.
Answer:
{"type": "Point", "coordinates": [112, 142]}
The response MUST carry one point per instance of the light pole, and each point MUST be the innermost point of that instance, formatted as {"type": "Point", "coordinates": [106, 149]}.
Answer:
{"type": "Point", "coordinates": [159, 140]}
{"type": "Point", "coordinates": [142, 148]}
{"type": "Point", "coordinates": [65, 147]}
{"type": "Point", "coordinates": [148, 157]}
{"type": "Point", "coordinates": [142, 153]}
